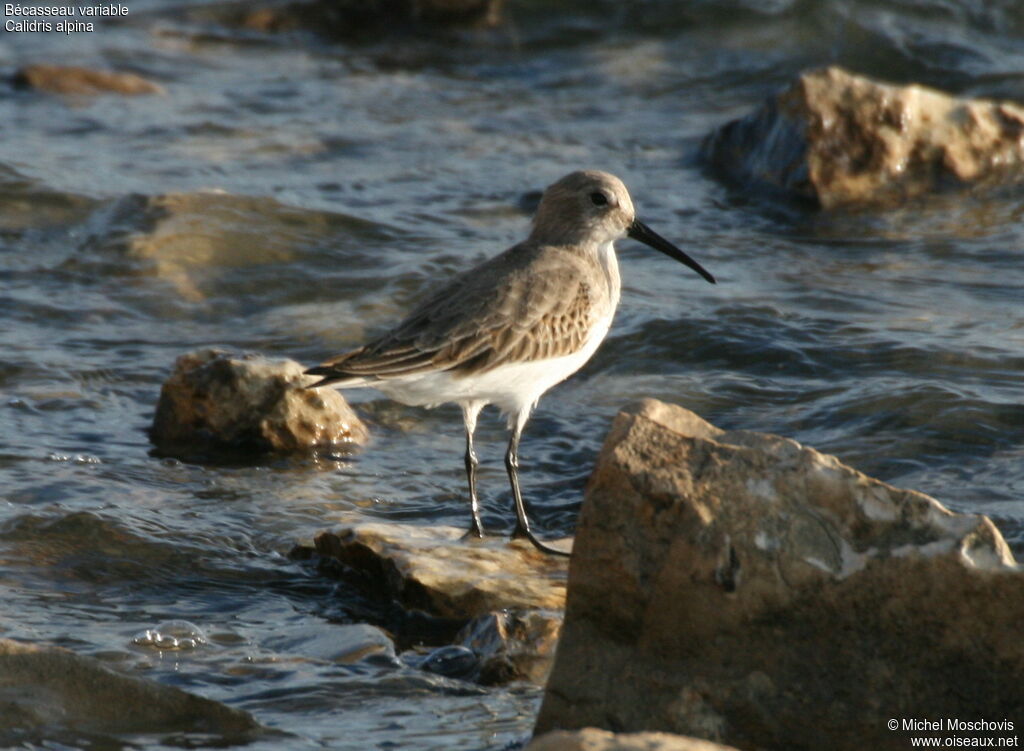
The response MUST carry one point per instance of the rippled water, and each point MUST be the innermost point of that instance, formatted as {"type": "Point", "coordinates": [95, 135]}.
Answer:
{"type": "Point", "coordinates": [352, 173]}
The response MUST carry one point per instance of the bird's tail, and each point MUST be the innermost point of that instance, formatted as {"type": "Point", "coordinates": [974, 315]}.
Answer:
{"type": "Point", "coordinates": [328, 375]}
{"type": "Point", "coordinates": [333, 372]}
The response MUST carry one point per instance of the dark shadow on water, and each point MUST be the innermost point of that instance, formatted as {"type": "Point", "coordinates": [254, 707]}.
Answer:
{"type": "Point", "coordinates": [241, 455]}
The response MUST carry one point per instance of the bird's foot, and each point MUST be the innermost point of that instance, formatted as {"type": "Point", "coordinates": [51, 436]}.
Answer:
{"type": "Point", "coordinates": [475, 532]}
{"type": "Point", "coordinates": [520, 532]}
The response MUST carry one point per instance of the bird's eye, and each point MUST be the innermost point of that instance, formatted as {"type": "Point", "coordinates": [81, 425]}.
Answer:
{"type": "Point", "coordinates": [599, 199]}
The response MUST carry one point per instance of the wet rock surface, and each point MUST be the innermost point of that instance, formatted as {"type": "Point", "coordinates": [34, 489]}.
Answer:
{"type": "Point", "coordinates": [593, 739]}
{"type": "Point", "coordinates": [730, 585]}
{"type": "Point", "coordinates": [215, 400]}
{"type": "Point", "coordinates": [56, 692]}
{"type": "Point", "coordinates": [497, 604]}
{"type": "Point", "coordinates": [435, 569]}
{"type": "Point", "coordinates": [837, 139]}
{"type": "Point", "coordinates": [513, 644]}
{"type": "Point", "coordinates": [71, 79]}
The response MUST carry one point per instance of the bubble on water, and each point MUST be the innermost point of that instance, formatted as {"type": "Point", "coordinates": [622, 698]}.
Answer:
{"type": "Point", "coordinates": [53, 456]}
{"type": "Point", "coordinates": [172, 635]}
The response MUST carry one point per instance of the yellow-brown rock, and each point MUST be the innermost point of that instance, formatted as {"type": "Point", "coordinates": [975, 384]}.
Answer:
{"type": "Point", "coordinates": [214, 399]}
{"type": "Point", "coordinates": [434, 569]}
{"type": "Point", "coordinates": [743, 588]}
{"type": "Point", "coordinates": [837, 139]}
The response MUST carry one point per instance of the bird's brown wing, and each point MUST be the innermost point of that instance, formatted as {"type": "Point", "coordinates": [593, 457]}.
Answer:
{"type": "Point", "coordinates": [535, 304]}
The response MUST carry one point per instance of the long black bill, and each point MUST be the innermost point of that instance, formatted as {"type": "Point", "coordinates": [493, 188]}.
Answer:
{"type": "Point", "coordinates": [640, 231]}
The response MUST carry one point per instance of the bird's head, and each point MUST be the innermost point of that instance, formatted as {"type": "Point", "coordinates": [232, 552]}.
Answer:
{"type": "Point", "coordinates": [584, 207]}
{"type": "Point", "coordinates": [589, 209]}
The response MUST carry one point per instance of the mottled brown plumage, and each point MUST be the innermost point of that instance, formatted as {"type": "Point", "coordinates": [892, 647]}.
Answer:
{"type": "Point", "coordinates": [532, 302]}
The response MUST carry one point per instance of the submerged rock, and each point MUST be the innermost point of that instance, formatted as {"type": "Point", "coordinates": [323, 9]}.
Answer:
{"type": "Point", "coordinates": [193, 239]}
{"type": "Point", "coordinates": [593, 739]}
{"type": "Point", "coordinates": [342, 644]}
{"type": "Point", "coordinates": [28, 204]}
{"type": "Point", "coordinates": [735, 586]}
{"type": "Point", "coordinates": [53, 690]}
{"type": "Point", "coordinates": [221, 401]}
{"type": "Point", "coordinates": [71, 79]}
{"type": "Point", "coordinates": [838, 139]}
{"type": "Point", "coordinates": [508, 595]}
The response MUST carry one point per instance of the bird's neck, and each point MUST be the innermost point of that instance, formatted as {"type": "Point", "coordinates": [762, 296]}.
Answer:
{"type": "Point", "coordinates": [610, 265]}
{"type": "Point", "coordinates": [551, 229]}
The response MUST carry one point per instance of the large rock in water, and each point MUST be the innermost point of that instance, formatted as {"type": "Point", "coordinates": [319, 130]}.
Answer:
{"type": "Point", "coordinates": [220, 401]}
{"type": "Point", "coordinates": [56, 692]}
{"type": "Point", "coordinates": [842, 140]}
{"type": "Point", "coordinates": [743, 588]}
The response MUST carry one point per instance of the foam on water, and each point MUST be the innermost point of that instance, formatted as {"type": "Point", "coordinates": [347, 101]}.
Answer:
{"type": "Point", "coordinates": [172, 635]}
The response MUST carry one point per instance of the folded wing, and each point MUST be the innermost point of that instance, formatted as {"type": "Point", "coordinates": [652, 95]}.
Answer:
{"type": "Point", "coordinates": [521, 306]}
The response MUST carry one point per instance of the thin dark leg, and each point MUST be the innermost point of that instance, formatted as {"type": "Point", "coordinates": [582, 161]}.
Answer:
{"type": "Point", "coordinates": [522, 528]}
{"type": "Point", "coordinates": [476, 527]}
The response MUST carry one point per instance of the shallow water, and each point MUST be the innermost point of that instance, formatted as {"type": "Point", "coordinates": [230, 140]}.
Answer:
{"type": "Point", "coordinates": [353, 173]}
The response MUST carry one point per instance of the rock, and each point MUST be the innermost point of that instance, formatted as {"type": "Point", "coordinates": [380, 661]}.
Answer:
{"type": "Point", "coordinates": [592, 739]}
{"type": "Point", "coordinates": [71, 79]}
{"type": "Point", "coordinates": [214, 400]}
{"type": "Point", "coordinates": [217, 247]}
{"type": "Point", "coordinates": [193, 239]}
{"type": "Point", "coordinates": [435, 569]}
{"type": "Point", "coordinates": [51, 688]}
{"type": "Point", "coordinates": [841, 140]}
{"type": "Point", "coordinates": [746, 589]}
{"type": "Point", "coordinates": [507, 596]}
{"type": "Point", "coordinates": [354, 17]}
{"type": "Point", "coordinates": [513, 644]}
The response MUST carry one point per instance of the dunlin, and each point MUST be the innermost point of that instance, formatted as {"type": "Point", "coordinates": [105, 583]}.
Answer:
{"type": "Point", "coordinates": [509, 329]}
